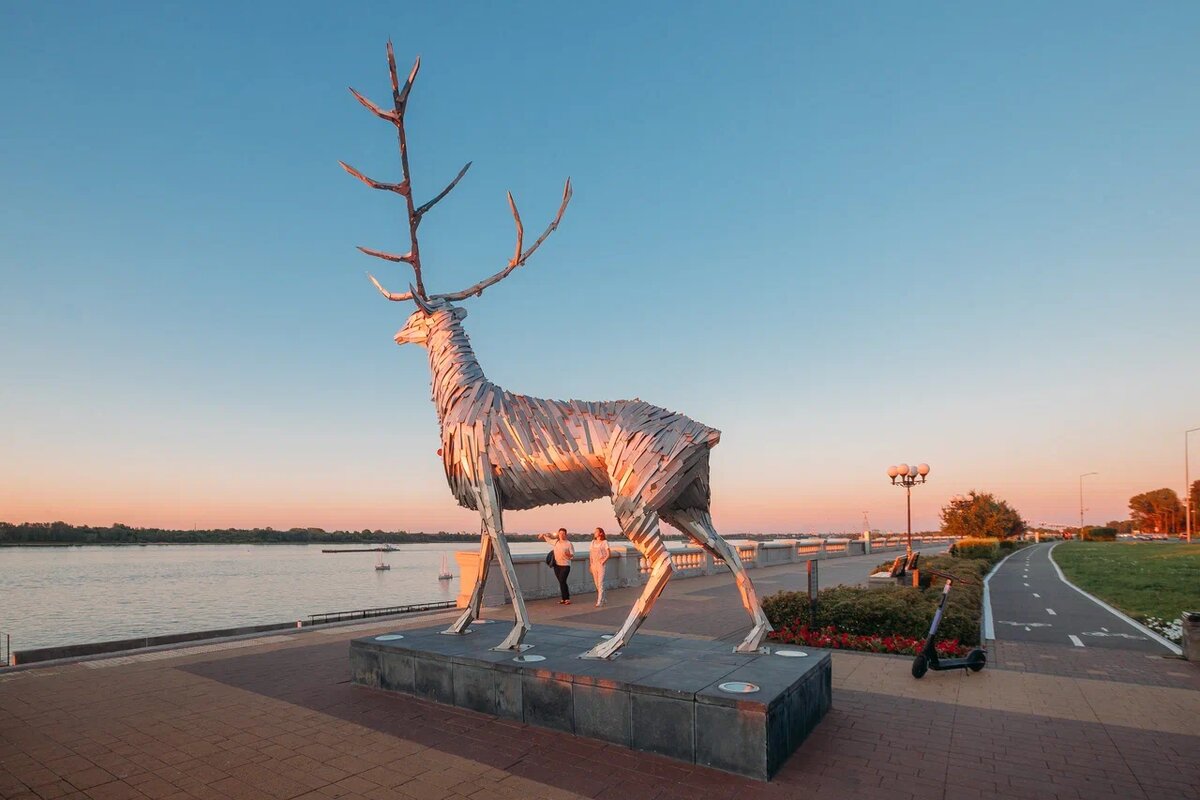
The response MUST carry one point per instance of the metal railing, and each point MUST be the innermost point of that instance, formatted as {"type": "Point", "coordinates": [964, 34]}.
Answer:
{"type": "Point", "coordinates": [5, 649]}
{"type": "Point", "coordinates": [367, 613]}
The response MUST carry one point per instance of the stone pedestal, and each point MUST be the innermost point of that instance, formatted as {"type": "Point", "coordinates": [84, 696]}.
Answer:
{"type": "Point", "coordinates": [661, 694]}
{"type": "Point", "coordinates": [1191, 635]}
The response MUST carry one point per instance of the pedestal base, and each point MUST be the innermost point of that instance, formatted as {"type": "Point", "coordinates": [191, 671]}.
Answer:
{"type": "Point", "coordinates": [663, 695]}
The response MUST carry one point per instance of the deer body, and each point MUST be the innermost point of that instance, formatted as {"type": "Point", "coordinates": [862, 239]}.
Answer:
{"type": "Point", "coordinates": [543, 452]}
{"type": "Point", "coordinates": [505, 451]}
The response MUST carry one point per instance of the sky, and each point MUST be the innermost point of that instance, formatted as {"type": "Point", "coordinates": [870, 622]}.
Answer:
{"type": "Point", "coordinates": [845, 236]}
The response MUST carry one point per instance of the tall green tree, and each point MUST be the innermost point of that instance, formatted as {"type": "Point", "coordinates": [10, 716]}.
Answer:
{"type": "Point", "coordinates": [981, 514]}
{"type": "Point", "coordinates": [1159, 511]}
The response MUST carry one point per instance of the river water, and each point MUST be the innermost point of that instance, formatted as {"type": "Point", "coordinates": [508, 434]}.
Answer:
{"type": "Point", "coordinates": [67, 595]}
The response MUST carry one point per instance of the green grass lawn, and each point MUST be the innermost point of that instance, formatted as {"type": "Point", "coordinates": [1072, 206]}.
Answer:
{"type": "Point", "coordinates": [1143, 579]}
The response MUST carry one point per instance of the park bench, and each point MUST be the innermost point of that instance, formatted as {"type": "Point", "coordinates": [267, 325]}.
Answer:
{"type": "Point", "coordinates": [898, 574]}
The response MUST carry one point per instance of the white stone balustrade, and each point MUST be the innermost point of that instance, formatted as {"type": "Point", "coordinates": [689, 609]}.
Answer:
{"type": "Point", "coordinates": [626, 567]}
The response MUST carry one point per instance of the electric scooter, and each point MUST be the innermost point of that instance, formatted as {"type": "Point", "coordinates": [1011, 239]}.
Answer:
{"type": "Point", "coordinates": [928, 659]}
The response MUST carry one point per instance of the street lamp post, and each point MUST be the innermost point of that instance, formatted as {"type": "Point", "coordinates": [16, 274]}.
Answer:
{"type": "Point", "coordinates": [908, 477]}
{"type": "Point", "coordinates": [1187, 484]}
{"type": "Point", "coordinates": [1081, 477]}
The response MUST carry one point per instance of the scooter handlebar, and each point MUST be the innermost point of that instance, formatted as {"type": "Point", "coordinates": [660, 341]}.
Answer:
{"type": "Point", "coordinates": [949, 576]}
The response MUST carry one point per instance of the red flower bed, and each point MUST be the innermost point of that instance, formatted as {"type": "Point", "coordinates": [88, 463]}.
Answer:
{"type": "Point", "coordinates": [831, 638]}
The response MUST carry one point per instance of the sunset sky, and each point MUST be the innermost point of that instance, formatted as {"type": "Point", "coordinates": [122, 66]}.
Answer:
{"type": "Point", "coordinates": [845, 237]}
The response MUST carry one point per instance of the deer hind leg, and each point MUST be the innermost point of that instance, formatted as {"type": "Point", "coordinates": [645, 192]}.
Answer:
{"type": "Point", "coordinates": [697, 524]}
{"type": "Point", "coordinates": [471, 612]}
{"type": "Point", "coordinates": [640, 526]}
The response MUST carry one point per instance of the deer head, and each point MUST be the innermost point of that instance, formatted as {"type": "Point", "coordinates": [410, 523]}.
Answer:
{"type": "Point", "coordinates": [428, 315]}
{"type": "Point", "coordinates": [422, 321]}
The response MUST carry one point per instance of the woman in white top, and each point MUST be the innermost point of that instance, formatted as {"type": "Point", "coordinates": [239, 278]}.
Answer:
{"type": "Point", "coordinates": [563, 553]}
{"type": "Point", "coordinates": [598, 555]}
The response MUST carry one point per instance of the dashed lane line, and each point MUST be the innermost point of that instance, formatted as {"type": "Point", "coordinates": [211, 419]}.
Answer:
{"type": "Point", "coordinates": [1074, 640]}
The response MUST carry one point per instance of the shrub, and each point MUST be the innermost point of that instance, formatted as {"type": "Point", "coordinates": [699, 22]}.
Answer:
{"type": "Point", "coordinates": [976, 548]}
{"type": "Point", "coordinates": [1099, 534]}
{"type": "Point", "coordinates": [785, 607]}
{"type": "Point", "coordinates": [900, 610]}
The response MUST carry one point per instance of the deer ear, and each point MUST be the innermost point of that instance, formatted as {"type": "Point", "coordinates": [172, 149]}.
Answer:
{"type": "Point", "coordinates": [420, 301]}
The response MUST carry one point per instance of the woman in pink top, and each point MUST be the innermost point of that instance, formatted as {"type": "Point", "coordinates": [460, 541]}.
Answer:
{"type": "Point", "coordinates": [598, 554]}
{"type": "Point", "coordinates": [563, 553]}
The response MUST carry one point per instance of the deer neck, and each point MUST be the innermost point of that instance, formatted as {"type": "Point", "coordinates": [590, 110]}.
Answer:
{"type": "Point", "coordinates": [456, 373]}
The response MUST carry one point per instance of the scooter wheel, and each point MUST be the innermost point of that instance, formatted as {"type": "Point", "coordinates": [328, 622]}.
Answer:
{"type": "Point", "coordinates": [920, 666]}
{"type": "Point", "coordinates": [976, 659]}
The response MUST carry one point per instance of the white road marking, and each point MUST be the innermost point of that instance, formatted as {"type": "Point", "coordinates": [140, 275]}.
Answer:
{"type": "Point", "coordinates": [1075, 640]}
{"type": "Point", "coordinates": [1025, 625]}
{"type": "Point", "coordinates": [1038, 596]}
{"type": "Point", "coordinates": [1027, 584]}
{"type": "Point", "coordinates": [1104, 629]}
{"type": "Point", "coordinates": [1050, 611]}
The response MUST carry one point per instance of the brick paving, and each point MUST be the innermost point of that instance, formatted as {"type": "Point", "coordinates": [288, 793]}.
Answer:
{"type": "Point", "coordinates": [277, 718]}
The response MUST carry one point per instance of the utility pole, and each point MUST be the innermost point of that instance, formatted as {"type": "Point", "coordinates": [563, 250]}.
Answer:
{"type": "Point", "coordinates": [1081, 477]}
{"type": "Point", "coordinates": [1187, 484]}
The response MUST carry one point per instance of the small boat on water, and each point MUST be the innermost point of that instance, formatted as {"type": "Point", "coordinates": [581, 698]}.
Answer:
{"type": "Point", "coordinates": [444, 574]}
{"type": "Point", "coordinates": [379, 565]}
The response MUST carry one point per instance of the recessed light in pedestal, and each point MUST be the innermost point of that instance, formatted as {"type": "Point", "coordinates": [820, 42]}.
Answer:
{"type": "Point", "coordinates": [738, 687]}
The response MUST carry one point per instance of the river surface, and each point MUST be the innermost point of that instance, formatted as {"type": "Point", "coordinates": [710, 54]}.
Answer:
{"type": "Point", "coordinates": [68, 595]}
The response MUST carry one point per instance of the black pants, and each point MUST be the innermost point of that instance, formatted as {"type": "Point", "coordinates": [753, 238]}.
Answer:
{"type": "Point", "coordinates": [561, 573]}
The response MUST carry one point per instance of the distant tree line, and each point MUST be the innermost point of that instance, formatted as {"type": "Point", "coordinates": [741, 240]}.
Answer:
{"type": "Point", "coordinates": [63, 533]}
{"type": "Point", "coordinates": [1161, 510]}
{"type": "Point", "coordinates": [1155, 511]}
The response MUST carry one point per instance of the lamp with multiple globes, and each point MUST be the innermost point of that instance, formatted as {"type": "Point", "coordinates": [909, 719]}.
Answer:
{"type": "Point", "coordinates": [908, 476]}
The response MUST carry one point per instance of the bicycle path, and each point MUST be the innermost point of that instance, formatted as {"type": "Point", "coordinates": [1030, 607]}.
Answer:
{"type": "Point", "coordinates": [1031, 603]}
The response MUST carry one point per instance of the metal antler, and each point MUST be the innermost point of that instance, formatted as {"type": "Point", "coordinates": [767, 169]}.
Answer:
{"type": "Point", "coordinates": [416, 213]}
{"type": "Point", "coordinates": [404, 188]}
{"type": "Point", "coordinates": [519, 256]}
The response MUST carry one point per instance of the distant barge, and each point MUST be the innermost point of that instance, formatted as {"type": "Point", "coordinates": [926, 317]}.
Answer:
{"type": "Point", "coordinates": [384, 549]}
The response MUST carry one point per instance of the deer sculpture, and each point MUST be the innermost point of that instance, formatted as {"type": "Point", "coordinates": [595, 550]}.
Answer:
{"type": "Point", "coordinates": [505, 451]}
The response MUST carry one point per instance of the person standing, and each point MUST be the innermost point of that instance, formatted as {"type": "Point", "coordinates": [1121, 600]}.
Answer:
{"type": "Point", "coordinates": [598, 555]}
{"type": "Point", "coordinates": [563, 553]}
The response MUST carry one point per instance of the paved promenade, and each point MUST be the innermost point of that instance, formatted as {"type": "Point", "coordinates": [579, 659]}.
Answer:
{"type": "Point", "coordinates": [276, 717]}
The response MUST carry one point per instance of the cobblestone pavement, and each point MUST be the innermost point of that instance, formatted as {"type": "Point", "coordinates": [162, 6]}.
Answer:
{"type": "Point", "coordinates": [275, 717]}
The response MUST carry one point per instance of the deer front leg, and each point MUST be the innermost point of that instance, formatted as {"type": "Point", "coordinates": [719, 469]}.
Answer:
{"type": "Point", "coordinates": [488, 503]}
{"type": "Point", "coordinates": [471, 612]}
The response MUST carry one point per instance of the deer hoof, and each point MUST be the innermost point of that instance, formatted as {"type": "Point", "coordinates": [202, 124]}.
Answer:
{"type": "Point", "coordinates": [605, 649]}
{"type": "Point", "coordinates": [514, 639]}
{"type": "Point", "coordinates": [462, 624]}
{"type": "Point", "coordinates": [753, 642]}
